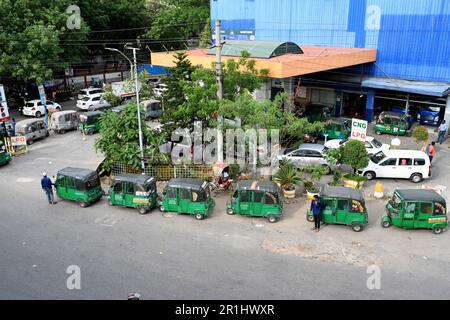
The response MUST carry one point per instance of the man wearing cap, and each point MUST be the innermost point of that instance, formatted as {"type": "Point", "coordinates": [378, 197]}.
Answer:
{"type": "Point", "coordinates": [46, 185]}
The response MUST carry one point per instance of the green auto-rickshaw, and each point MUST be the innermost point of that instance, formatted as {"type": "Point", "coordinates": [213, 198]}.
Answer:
{"type": "Point", "coordinates": [337, 129]}
{"type": "Point", "coordinates": [5, 157]}
{"type": "Point", "coordinates": [80, 185]}
{"type": "Point", "coordinates": [257, 199]}
{"type": "Point", "coordinates": [341, 205]}
{"type": "Point", "coordinates": [416, 209]}
{"type": "Point", "coordinates": [187, 195]}
{"type": "Point", "coordinates": [135, 191]}
{"type": "Point", "coordinates": [392, 123]}
{"type": "Point", "coordinates": [90, 122]}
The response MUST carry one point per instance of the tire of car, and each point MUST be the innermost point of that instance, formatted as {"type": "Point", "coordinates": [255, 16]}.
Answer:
{"type": "Point", "coordinates": [58, 109]}
{"type": "Point", "coordinates": [199, 216]}
{"type": "Point", "coordinates": [370, 175]}
{"type": "Point", "coordinates": [416, 177]}
{"type": "Point", "coordinates": [38, 114]}
{"type": "Point", "coordinates": [30, 141]}
{"type": "Point", "coordinates": [327, 169]}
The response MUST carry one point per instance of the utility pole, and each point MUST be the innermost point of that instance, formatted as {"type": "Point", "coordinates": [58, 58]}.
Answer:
{"type": "Point", "coordinates": [219, 91]}
{"type": "Point", "coordinates": [136, 82]}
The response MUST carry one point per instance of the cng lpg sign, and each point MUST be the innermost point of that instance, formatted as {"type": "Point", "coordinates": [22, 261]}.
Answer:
{"type": "Point", "coordinates": [359, 130]}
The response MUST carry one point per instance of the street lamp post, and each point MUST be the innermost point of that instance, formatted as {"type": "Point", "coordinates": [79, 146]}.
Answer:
{"type": "Point", "coordinates": [136, 82]}
{"type": "Point", "coordinates": [123, 55]}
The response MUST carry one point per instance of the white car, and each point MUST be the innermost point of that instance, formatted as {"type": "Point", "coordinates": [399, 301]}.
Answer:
{"type": "Point", "coordinates": [372, 145]}
{"type": "Point", "coordinates": [94, 102]}
{"type": "Point", "coordinates": [88, 92]}
{"type": "Point", "coordinates": [36, 109]}
{"type": "Point", "coordinates": [398, 164]}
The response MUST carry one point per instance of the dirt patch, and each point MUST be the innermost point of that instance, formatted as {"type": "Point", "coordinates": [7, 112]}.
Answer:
{"type": "Point", "coordinates": [324, 250]}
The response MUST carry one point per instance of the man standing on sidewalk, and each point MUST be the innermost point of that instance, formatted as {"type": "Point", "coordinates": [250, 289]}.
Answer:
{"type": "Point", "coordinates": [316, 209]}
{"type": "Point", "coordinates": [47, 186]}
{"type": "Point", "coordinates": [442, 132]}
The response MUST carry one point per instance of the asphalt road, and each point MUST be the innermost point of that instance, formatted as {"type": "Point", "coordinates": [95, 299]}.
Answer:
{"type": "Point", "coordinates": [176, 257]}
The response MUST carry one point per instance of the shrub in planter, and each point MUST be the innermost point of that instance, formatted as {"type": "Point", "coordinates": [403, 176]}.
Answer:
{"type": "Point", "coordinates": [288, 177]}
{"type": "Point", "coordinates": [311, 175]}
{"type": "Point", "coordinates": [354, 154]}
{"type": "Point", "coordinates": [420, 134]}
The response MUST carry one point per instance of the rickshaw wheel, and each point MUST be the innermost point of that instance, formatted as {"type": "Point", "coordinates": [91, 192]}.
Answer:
{"type": "Point", "coordinates": [83, 204]}
{"type": "Point", "coordinates": [90, 132]}
{"type": "Point", "coordinates": [199, 216]}
{"type": "Point", "coordinates": [272, 219]}
{"type": "Point", "coordinates": [310, 218]}
{"type": "Point", "coordinates": [437, 230]}
{"type": "Point", "coordinates": [141, 210]}
{"type": "Point", "coordinates": [357, 227]}
{"type": "Point", "coordinates": [230, 211]}
{"type": "Point", "coordinates": [62, 131]}
{"type": "Point", "coordinates": [110, 203]}
{"type": "Point", "coordinates": [30, 142]}
{"type": "Point", "coordinates": [161, 208]}
{"type": "Point", "coordinates": [385, 224]}
{"type": "Point", "coordinates": [378, 132]}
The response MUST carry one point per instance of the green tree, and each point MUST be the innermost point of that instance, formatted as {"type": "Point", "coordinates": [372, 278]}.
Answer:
{"type": "Point", "coordinates": [179, 21]}
{"type": "Point", "coordinates": [354, 154]}
{"type": "Point", "coordinates": [119, 140]}
{"type": "Point", "coordinates": [34, 39]}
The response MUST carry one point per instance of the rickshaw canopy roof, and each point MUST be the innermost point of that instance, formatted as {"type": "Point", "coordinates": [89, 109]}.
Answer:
{"type": "Point", "coordinates": [91, 114]}
{"type": "Point", "coordinates": [390, 114]}
{"type": "Point", "coordinates": [265, 186]}
{"type": "Point", "coordinates": [187, 183]}
{"type": "Point", "coordinates": [138, 179]}
{"type": "Point", "coordinates": [26, 122]}
{"type": "Point", "coordinates": [77, 173]}
{"type": "Point", "coordinates": [341, 192]}
{"type": "Point", "coordinates": [420, 195]}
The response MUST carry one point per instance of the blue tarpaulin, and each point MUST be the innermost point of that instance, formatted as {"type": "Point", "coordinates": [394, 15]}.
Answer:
{"type": "Point", "coordinates": [436, 89]}
{"type": "Point", "coordinates": [152, 71]}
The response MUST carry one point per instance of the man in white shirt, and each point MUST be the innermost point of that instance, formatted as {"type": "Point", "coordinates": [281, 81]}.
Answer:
{"type": "Point", "coordinates": [442, 131]}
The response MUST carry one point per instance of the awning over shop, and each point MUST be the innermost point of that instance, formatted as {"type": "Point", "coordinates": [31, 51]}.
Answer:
{"type": "Point", "coordinates": [436, 89]}
{"type": "Point", "coordinates": [313, 59]}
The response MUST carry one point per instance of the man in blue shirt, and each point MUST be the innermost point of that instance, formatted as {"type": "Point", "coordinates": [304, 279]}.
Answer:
{"type": "Point", "coordinates": [442, 131]}
{"type": "Point", "coordinates": [316, 209]}
{"type": "Point", "coordinates": [46, 185]}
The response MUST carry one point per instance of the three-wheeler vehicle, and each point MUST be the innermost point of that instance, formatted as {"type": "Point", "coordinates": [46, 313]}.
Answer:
{"type": "Point", "coordinates": [337, 129]}
{"type": "Point", "coordinates": [341, 205]}
{"type": "Point", "coordinates": [257, 199]}
{"type": "Point", "coordinates": [32, 129]}
{"type": "Point", "coordinates": [392, 123]}
{"type": "Point", "coordinates": [416, 209]}
{"type": "Point", "coordinates": [78, 184]}
{"type": "Point", "coordinates": [5, 157]}
{"type": "Point", "coordinates": [63, 121]}
{"type": "Point", "coordinates": [187, 195]}
{"type": "Point", "coordinates": [133, 191]}
{"type": "Point", "coordinates": [90, 122]}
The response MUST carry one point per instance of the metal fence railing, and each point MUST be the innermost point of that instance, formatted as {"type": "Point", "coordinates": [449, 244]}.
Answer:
{"type": "Point", "coordinates": [167, 172]}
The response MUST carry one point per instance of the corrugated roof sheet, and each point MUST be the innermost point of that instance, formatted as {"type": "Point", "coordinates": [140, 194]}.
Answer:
{"type": "Point", "coordinates": [437, 89]}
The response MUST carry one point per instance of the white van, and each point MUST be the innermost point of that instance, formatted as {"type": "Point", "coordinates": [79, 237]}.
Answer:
{"type": "Point", "coordinates": [398, 164]}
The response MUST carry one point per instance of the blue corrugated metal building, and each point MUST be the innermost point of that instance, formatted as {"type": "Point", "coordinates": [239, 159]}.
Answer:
{"type": "Point", "coordinates": [411, 37]}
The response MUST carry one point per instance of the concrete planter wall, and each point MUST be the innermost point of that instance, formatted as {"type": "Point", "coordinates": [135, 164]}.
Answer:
{"type": "Point", "coordinates": [352, 183]}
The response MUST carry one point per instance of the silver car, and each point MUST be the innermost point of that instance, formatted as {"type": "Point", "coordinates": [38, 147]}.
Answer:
{"type": "Point", "coordinates": [306, 154]}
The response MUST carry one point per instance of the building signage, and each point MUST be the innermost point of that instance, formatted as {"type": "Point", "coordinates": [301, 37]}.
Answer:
{"type": "Point", "coordinates": [359, 130]}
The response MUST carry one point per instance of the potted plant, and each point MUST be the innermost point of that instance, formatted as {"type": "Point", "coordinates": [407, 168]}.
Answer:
{"type": "Point", "coordinates": [287, 177]}
{"type": "Point", "coordinates": [311, 175]}
{"type": "Point", "coordinates": [420, 134]}
{"type": "Point", "coordinates": [354, 154]}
